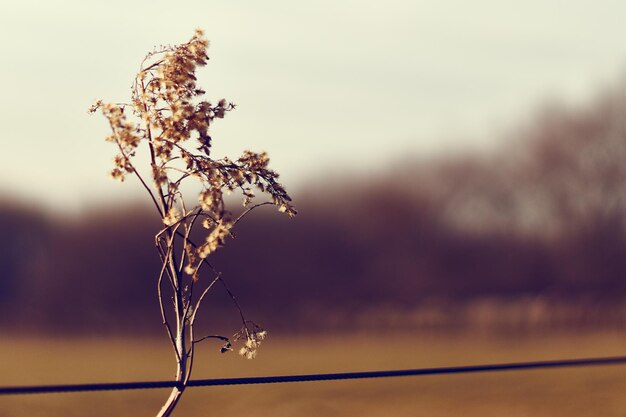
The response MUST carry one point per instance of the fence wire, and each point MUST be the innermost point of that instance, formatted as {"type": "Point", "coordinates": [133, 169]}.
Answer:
{"type": "Point", "coordinates": [518, 366]}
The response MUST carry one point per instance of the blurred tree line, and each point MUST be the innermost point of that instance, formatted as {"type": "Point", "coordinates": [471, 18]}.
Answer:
{"type": "Point", "coordinates": [531, 233]}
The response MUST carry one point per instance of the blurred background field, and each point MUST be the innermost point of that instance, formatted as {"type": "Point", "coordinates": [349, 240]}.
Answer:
{"type": "Point", "coordinates": [458, 260]}
{"type": "Point", "coordinates": [593, 391]}
{"type": "Point", "coordinates": [530, 236]}
{"type": "Point", "coordinates": [459, 174]}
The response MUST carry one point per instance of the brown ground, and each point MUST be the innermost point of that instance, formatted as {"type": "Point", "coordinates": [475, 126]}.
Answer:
{"type": "Point", "coordinates": [596, 391]}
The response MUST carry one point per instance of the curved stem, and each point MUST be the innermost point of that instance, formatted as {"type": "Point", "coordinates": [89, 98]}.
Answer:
{"type": "Point", "coordinates": [242, 215]}
{"type": "Point", "coordinates": [119, 145]}
{"type": "Point", "coordinates": [162, 307]}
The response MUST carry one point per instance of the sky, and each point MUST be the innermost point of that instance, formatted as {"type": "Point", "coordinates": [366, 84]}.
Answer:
{"type": "Point", "coordinates": [326, 87]}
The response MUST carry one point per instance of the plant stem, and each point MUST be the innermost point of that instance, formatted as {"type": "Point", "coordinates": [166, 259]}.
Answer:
{"type": "Point", "coordinates": [171, 402]}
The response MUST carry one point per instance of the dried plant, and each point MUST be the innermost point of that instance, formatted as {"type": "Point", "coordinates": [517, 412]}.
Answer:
{"type": "Point", "coordinates": [168, 120]}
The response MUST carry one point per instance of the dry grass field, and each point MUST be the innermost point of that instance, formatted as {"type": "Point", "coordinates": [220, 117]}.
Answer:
{"type": "Point", "coordinates": [578, 392]}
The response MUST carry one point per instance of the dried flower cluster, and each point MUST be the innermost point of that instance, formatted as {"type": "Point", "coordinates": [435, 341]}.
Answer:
{"type": "Point", "coordinates": [174, 124]}
{"type": "Point", "coordinates": [168, 119]}
{"type": "Point", "coordinates": [253, 336]}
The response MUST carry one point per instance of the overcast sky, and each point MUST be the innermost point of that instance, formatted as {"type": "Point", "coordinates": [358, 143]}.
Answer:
{"type": "Point", "coordinates": [323, 86]}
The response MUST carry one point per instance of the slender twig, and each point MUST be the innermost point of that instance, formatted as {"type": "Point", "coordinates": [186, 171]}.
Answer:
{"type": "Point", "coordinates": [156, 64]}
{"type": "Point", "coordinates": [192, 321]}
{"type": "Point", "coordinates": [223, 338]}
{"type": "Point", "coordinates": [162, 255]}
{"type": "Point", "coordinates": [242, 215]}
{"type": "Point", "coordinates": [188, 229]}
{"type": "Point", "coordinates": [232, 296]}
{"type": "Point", "coordinates": [162, 308]}
{"type": "Point", "coordinates": [152, 154]}
{"type": "Point", "coordinates": [127, 160]}
{"type": "Point", "coordinates": [204, 293]}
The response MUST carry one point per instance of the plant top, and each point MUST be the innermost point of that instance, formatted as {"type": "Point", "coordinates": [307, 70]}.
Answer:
{"type": "Point", "coordinates": [168, 115]}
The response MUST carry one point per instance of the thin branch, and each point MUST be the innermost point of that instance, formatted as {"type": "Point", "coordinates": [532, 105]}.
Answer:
{"type": "Point", "coordinates": [152, 154]}
{"type": "Point", "coordinates": [156, 64]}
{"type": "Point", "coordinates": [183, 256]}
{"type": "Point", "coordinates": [192, 320]}
{"type": "Point", "coordinates": [175, 225]}
{"type": "Point", "coordinates": [242, 215]}
{"type": "Point", "coordinates": [165, 253]}
{"type": "Point", "coordinates": [162, 255]}
{"type": "Point", "coordinates": [183, 252]}
{"type": "Point", "coordinates": [223, 338]}
{"type": "Point", "coordinates": [162, 308]}
{"type": "Point", "coordinates": [190, 295]}
{"type": "Point", "coordinates": [127, 159]}
{"type": "Point", "coordinates": [232, 296]}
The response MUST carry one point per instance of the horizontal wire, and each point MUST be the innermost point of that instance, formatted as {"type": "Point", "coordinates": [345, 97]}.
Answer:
{"type": "Point", "coordinates": [49, 389]}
